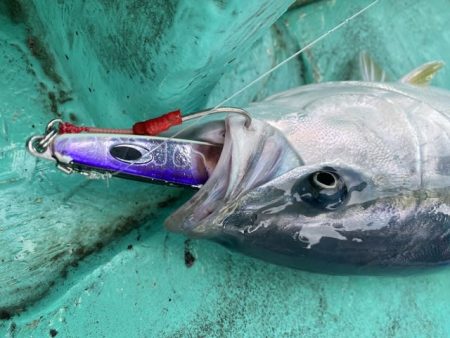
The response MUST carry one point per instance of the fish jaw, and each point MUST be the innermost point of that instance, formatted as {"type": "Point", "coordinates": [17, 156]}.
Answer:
{"type": "Point", "coordinates": [251, 156]}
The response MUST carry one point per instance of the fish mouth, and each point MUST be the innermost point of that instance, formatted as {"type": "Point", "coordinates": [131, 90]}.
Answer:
{"type": "Point", "coordinates": [251, 156]}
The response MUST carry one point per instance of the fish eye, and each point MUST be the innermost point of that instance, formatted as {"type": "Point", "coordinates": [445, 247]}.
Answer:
{"type": "Point", "coordinates": [328, 190]}
{"type": "Point", "coordinates": [324, 189]}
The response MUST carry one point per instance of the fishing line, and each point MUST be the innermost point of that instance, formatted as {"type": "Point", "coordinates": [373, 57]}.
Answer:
{"type": "Point", "coordinates": [320, 38]}
{"type": "Point", "coordinates": [270, 71]}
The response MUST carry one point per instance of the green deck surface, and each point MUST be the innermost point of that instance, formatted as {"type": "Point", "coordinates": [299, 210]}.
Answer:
{"type": "Point", "coordinates": [83, 258]}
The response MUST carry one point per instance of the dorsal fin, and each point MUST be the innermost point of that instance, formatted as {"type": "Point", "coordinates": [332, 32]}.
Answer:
{"type": "Point", "coordinates": [369, 70]}
{"type": "Point", "coordinates": [422, 76]}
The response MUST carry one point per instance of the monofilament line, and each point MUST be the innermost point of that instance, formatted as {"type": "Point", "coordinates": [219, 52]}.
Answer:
{"type": "Point", "coordinates": [323, 36]}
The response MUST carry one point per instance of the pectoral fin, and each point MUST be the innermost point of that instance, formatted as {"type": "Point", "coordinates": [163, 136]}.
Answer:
{"type": "Point", "coordinates": [422, 76]}
{"type": "Point", "coordinates": [370, 71]}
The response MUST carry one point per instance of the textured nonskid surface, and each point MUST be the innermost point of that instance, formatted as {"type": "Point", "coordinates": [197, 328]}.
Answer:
{"type": "Point", "coordinates": [90, 258]}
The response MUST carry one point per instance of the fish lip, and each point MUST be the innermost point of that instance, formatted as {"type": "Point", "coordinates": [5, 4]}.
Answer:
{"type": "Point", "coordinates": [242, 166]}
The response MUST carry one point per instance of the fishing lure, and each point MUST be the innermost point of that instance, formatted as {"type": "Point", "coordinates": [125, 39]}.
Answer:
{"type": "Point", "coordinates": [135, 153]}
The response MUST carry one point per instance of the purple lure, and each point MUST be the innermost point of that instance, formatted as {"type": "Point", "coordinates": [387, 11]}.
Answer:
{"type": "Point", "coordinates": [170, 161]}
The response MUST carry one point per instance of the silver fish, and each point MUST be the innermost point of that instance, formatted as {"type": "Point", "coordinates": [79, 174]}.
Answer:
{"type": "Point", "coordinates": [343, 177]}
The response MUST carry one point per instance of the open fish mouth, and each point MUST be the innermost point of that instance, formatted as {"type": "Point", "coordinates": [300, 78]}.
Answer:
{"type": "Point", "coordinates": [251, 156]}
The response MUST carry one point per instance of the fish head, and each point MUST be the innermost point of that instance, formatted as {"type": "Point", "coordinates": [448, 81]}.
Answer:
{"type": "Point", "coordinates": [341, 181]}
{"type": "Point", "coordinates": [261, 176]}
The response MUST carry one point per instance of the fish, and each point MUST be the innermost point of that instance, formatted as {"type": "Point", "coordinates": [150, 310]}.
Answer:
{"type": "Point", "coordinates": [347, 177]}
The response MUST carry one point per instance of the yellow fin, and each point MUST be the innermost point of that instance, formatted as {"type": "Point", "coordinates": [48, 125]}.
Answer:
{"type": "Point", "coordinates": [422, 76]}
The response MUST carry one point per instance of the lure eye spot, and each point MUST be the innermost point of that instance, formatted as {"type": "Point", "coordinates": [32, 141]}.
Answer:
{"type": "Point", "coordinates": [125, 153]}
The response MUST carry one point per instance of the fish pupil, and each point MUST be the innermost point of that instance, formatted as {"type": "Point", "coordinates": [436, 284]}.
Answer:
{"type": "Point", "coordinates": [325, 179]}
